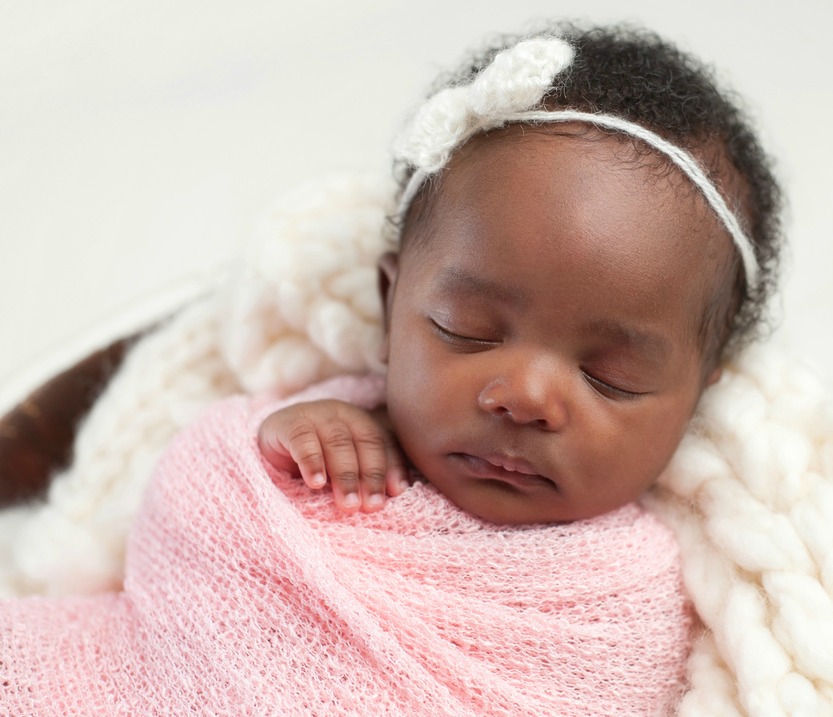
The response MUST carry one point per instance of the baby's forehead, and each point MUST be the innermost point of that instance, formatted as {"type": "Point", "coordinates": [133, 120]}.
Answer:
{"type": "Point", "coordinates": [604, 175]}
{"type": "Point", "coordinates": [596, 201]}
{"type": "Point", "coordinates": [619, 151]}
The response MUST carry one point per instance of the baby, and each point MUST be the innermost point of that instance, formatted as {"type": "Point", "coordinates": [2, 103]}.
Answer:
{"type": "Point", "coordinates": [587, 228]}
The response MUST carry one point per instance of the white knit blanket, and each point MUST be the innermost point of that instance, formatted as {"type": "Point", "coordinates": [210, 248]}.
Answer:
{"type": "Point", "coordinates": [749, 492]}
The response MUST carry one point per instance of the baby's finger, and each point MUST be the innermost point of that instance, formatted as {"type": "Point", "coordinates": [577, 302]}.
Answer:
{"type": "Point", "coordinates": [396, 477]}
{"type": "Point", "coordinates": [342, 465]}
{"type": "Point", "coordinates": [372, 449]}
{"type": "Point", "coordinates": [305, 449]}
{"type": "Point", "coordinates": [272, 446]}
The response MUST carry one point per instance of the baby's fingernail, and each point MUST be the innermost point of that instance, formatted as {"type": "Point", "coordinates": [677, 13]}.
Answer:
{"type": "Point", "coordinates": [351, 500]}
{"type": "Point", "coordinates": [318, 480]}
{"type": "Point", "coordinates": [375, 501]}
{"type": "Point", "coordinates": [402, 482]}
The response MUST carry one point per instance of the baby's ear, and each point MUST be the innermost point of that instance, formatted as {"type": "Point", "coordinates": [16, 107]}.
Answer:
{"type": "Point", "coordinates": [388, 272]}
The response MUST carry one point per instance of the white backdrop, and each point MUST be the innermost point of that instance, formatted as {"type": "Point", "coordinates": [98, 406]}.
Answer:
{"type": "Point", "coordinates": [140, 140]}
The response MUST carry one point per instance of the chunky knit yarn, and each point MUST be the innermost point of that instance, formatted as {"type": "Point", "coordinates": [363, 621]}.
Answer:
{"type": "Point", "coordinates": [246, 599]}
{"type": "Point", "coordinates": [749, 494]}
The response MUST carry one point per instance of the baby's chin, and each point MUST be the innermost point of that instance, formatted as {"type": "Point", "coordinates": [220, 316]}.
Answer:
{"type": "Point", "coordinates": [503, 504]}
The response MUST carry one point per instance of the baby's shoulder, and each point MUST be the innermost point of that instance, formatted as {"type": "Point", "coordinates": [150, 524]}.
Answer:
{"type": "Point", "coordinates": [364, 390]}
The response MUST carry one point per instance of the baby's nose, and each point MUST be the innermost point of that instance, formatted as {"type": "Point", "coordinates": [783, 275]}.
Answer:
{"type": "Point", "coordinates": [528, 396]}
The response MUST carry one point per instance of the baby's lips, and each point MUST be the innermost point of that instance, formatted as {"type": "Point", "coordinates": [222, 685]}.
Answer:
{"type": "Point", "coordinates": [501, 468]}
{"type": "Point", "coordinates": [515, 465]}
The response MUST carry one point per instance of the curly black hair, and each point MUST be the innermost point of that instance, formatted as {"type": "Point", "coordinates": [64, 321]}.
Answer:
{"type": "Point", "coordinates": [633, 73]}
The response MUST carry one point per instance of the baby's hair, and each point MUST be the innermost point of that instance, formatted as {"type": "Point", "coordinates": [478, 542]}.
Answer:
{"type": "Point", "coordinates": [634, 74]}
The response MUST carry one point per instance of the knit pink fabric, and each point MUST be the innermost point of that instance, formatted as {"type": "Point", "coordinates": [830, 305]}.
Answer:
{"type": "Point", "coordinates": [246, 599]}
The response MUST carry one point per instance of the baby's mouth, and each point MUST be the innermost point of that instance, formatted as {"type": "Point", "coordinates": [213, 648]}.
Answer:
{"type": "Point", "coordinates": [515, 471]}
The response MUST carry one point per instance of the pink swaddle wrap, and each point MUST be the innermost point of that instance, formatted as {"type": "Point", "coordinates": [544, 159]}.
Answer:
{"type": "Point", "coordinates": [246, 599]}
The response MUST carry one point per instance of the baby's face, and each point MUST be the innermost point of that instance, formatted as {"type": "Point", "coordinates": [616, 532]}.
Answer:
{"type": "Point", "coordinates": [542, 352]}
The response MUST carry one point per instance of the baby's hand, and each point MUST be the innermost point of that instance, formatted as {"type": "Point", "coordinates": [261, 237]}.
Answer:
{"type": "Point", "coordinates": [335, 439]}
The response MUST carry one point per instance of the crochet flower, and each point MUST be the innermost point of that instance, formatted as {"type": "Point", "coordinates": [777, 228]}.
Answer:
{"type": "Point", "coordinates": [515, 81]}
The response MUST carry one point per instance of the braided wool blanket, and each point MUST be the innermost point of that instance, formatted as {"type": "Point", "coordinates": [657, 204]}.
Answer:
{"type": "Point", "coordinates": [243, 599]}
{"type": "Point", "coordinates": [749, 494]}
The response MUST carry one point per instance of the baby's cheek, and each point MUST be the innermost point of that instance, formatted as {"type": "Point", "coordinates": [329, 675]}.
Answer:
{"type": "Point", "coordinates": [659, 442]}
{"type": "Point", "coordinates": [417, 382]}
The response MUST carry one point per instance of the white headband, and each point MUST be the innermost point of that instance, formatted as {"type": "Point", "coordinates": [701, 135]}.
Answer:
{"type": "Point", "coordinates": [510, 90]}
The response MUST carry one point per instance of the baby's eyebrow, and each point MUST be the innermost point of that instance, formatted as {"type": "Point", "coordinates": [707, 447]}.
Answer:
{"type": "Point", "coordinates": [655, 345]}
{"type": "Point", "coordinates": [453, 279]}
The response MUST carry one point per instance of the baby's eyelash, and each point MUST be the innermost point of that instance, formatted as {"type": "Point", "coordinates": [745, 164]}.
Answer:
{"type": "Point", "coordinates": [459, 339]}
{"type": "Point", "coordinates": [609, 390]}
